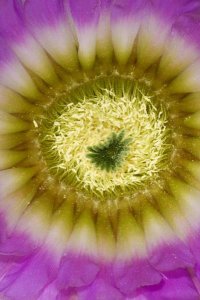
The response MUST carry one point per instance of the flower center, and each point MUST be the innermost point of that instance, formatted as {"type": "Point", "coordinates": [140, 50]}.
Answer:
{"type": "Point", "coordinates": [107, 135]}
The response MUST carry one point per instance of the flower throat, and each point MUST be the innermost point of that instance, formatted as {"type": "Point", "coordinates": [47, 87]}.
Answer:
{"type": "Point", "coordinates": [107, 135]}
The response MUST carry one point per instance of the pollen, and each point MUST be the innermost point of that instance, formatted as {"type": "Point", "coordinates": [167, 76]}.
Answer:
{"type": "Point", "coordinates": [110, 136]}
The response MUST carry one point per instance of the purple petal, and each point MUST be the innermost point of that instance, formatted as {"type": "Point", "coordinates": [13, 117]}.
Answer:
{"type": "Point", "coordinates": [44, 12]}
{"type": "Point", "coordinates": [37, 273]}
{"type": "Point", "coordinates": [171, 256]}
{"type": "Point", "coordinates": [176, 285]}
{"type": "Point", "coordinates": [130, 276]}
{"type": "Point", "coordinates": [67, 295]}
{"type": "Point", "coordinates": [12, 245]}
{"type": "Point", "coordinates": [13, 75]}
{"type": "Point", "coordinates": [105, 4]}
{"type": "Point", "coordinates": [11, 24]}
{"type": "Point", "coordinates": [49, 293]}
{"type": "Point", "coordinates": [123, 9]}
{"type": "Point", "coordinates": [84, 14]}
{"type": "Point", "coordinates": [184, 38]}
{"type": "Point", "coordinates": [168, 9]}
{"type": "Point", "coordinates": [76, 271]}
{"type": "Point", "coordinates": [10, 270]}
{"type": "Point", "coordinates": [194, 243]}
{"type": "Point", "coordinates": [126, 17]}
{"type": "Point", "coordinates": [13, 29]}
{"type": "Point", "coordinates": [6, 55]}
{"type": "Point", "coordinates": [48, 22]}
{"type": "Point", "coordinates": [187, 25]}
{"type": "Point", "coordinates": [100, 289]}
{"type": "Point", "coordinates": [84, 19]}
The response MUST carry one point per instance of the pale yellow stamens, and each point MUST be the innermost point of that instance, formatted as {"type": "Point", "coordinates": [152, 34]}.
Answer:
{"type": "Point", "coordinates": [111, 108]}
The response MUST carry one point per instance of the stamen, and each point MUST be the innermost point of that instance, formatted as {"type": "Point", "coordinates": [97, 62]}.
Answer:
{"type": "Point", "coordinates": [107, 136]}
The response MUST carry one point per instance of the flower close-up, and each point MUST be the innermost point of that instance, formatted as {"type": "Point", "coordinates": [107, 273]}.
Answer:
{"type": "Point", "coordinates": [100, 149]}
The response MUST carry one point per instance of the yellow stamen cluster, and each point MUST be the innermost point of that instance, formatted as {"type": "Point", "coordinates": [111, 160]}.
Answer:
{"type": "Point", "coordinates": [109, 108]}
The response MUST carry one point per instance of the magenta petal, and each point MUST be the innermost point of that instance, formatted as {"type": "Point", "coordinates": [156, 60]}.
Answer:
{"type": "Point", "coordinates": [6, 54]}
{"type": "Point", "coordinates": [50, 292]}
{"type": "Point", "coordinates": [105, 4]}
{"type": "Point", "coordinates": [84, 14]}
{"type": "Point", "coordinates": [76, 271]}
{"type": "Point", "coordinates": [9, 271]}
{"type": "Point", "coordinates": [38, 272]}
{"type": "Point", "coordinates": [43, 12]}
{"type": "Point", "coordinates": [3, 228]}
{"type": "Point", "coordinates": [168, 257]}
{"type": "Point", "coordinates": [187, 25]}
{"type": "Point", "coordinates": [125, 8]}
{"type": "Point", "coordinates": [130, 276]}
{"type": "Point", "coordinates": [100, 289]}
{"type": "Point", "coordinates": [169, 8]}
{"type": "Point", "coordinates": [191, 6]}
{"type": "Point", "coordinates": [194, 242]}
{"type": "Point", "coordinates": [67, 295]}
{"type": "Point", "coordinates": [177, 285]}
{"type": "Point", "coordinates": [13, 245]}
{"type": "Point", "coordinates": [11, 23]}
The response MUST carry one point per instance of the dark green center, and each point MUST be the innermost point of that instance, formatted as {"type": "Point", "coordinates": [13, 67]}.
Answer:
{"type": "Point", "coordinates": [110, 154]}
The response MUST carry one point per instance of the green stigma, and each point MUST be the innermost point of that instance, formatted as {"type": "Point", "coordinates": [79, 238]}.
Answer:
{"type": "Point", "coordinates": [110, 154]}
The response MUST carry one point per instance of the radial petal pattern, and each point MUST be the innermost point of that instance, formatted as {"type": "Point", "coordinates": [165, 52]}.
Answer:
{"type": "Point", "coordinates": [99, 150]}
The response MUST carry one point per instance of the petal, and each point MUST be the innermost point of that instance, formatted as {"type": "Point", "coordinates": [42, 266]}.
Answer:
{"type": "Point", "coordinates": [13, 179]}
{"type": "Point", "coordinates": [188, 200]}
{"type": "Point", "coordinates": [131, 268]}
{"type": "Point", "coordinates": [13, 205]}
{"type": "Point", "coordinates": [31, 229]}
{"type": "Point", "coordinates": [166, 251]}
{"type": "Point", "coordinates": [131, 276]}
{"type": "Point", "coordinates": [9, 158]}
{"type": "Point", "coordinates": [10, 269]}
{"type": "Point", "coordinates": [48, 22]}
{"type": "Point", "coordinates": [43, 266]}
{"type": "Point", "coordinates": [79, 266]}
{"type": "Point", "coordinates": [154, 31]}
{"type": "Point", "coordinates": [105, 239]}
{"type": "Point", "coordinates": [11, 124]}
{"type": "Point", "coordinates": [30, 53]}
{"type": "Point", "coordinates": [100, 289]}
{"type": "Point", "coordinates": [8, 141]}
{"type": "Point", "coordinates": [41, 269]}
{"type": "Point", "coordinates": [11, 22]}
{"type": "Point", "coordinates": [192, 167]}
{"type": "Point", "coordinates": [191, 144]}
{"type": "Point", "coordinates": [172, 63]}
{"type": "Point", "coordinates": [12, 102]}
{"type": "Point", "coordinates": [85, 20]}
{"type": "Point", "coordinates": [190, 103]}
{"type": "Point", "coordinates": [104, 42]}
{"type": "Point", "coordinates": [13, 75]}
{"type": "Point", "coordinates": [126, 17]}
{"type": "Point", "coordinates": [172, 214]}
{"type": "Point", "coordinates": [192, 121]}
{"type": "Point", "coordinates": [188, 81]}
{"type": "Point", "coordinates": [50, 292]}
{"type": "Point", "coordinates": [176, 285]}
{"type": "Point", "coordinates": [76, 271]}
{"type": "Point", "coordinates": [60, 229]}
